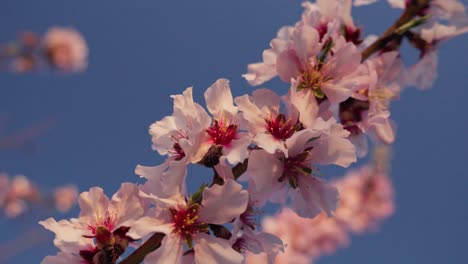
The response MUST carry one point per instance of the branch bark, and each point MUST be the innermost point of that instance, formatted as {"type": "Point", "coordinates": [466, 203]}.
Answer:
{"type": "Point", "coordinates": [414, 8]}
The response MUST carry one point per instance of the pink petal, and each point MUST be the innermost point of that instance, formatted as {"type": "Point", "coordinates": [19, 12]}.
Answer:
{"type": "Point", "coordinates": [288, 65]}
{"type": "Point", "coordinates": [170, 251]}
{"type": "Point", "coordinates": [237, 151]}
{"type": "Point", "coordinates": [148, 225]}
{"type": "Point", "coordinates": [334, 148]}
{"type": "Point", "coordinates": [316, 193]}
{"type": "Point", "coordinates": [262, 72]}
{"type": "Point", "coordinates": [306, 42]}
{"type": "Point", "coordinates": [222, 204]}
{"type": "Point", "coordinates": [126, 202]}
{"type": "Point", "coordinates": [268, 143]}
{"type": "Point", "coordinates": [209, 249]}
{"type": "Point", "coordinates": [299, 141]}
{"type": "Point", "coordinates": [161, 133]}
{"type": "Point", "coordinates": [93, 203]}
{"type": "Point", "coordinates": [68, 237]}
{"type": "Point", "coordinates": [251, 113]}
{"type": "Point", "coordinates": [305, 103]}
{"type": "Point", "coordinates": [219, 100]}
{"type": "Point", "coordinates": [263, 176]}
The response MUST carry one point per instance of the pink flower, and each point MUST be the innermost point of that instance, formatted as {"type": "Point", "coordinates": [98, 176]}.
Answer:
{"type": "Point", "coordinates": [387, 86]}
{"type": "Point", "coordinates": [190, 132]}
{"type": "Point", "coordinates": [269, 126]}
{"type": "Point", "coordinates": [332, 18]}
{"type": "Point", "coordinates": [335, 75]}
{"type": "Point", "coordinates": [107, 221]}
{"type": "Point", "coordinates": [309, 194]}
{"type": "Point", "coordinates": [66, 49]}
{"type": "Point", "coordinates": [305, 239]}
{"type": "Point", "coordinates": [366, 199]}
{"type": "Point", "coordinates": [188, 222]}
{"type": "Point", "coordinates": [65, 197]}
{"type": "Point", "coordinates": [180, 134]}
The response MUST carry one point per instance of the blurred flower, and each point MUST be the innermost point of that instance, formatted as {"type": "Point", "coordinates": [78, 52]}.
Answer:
{"type": "Point", "coordinates": [65, 197]}
{"type": "Point", "coordinates": [65, 48]}
{"type": "Point", "coordinates": [366, 199]}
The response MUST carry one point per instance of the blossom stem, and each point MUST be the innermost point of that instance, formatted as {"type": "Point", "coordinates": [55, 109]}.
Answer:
{"type": "Point", "coordinates": [392, 32]}
{"type": "Point", "coordinates": [150, 245]}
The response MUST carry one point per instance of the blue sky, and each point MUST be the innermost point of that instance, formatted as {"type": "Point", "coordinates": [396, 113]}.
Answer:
{"type": "Point", "coordinates": [143, 51]}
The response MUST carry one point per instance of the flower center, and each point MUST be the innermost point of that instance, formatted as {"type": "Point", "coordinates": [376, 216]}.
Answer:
{"type": "Point", "coordinates": [222, 133]}
{"type": "Point", "coordinates": [185, 222]}
{"type": "Point", "coordinates": [106, 222]}
{"type": "Point", "coordinates": [281, 128]}
{"type": "Point", "coordinates": [294, 167]}
{"type": "Point", "coordinates": [177, 152]}
{"type": "Point", "coordinates": [313, 79]}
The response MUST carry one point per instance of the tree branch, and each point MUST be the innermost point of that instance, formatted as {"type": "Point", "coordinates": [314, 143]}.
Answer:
{"type": "Point", "coordinates": [412, 10]}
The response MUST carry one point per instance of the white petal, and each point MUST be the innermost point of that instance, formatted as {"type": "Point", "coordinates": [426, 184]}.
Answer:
{"type": "Point", "coordinates": [300, 140]}
{"type": "Point", "coordinates": [219, 100]}
{"type": "Point", "coordinates": [213, 250]}
{"type": "Point", "coordinates": [305, 104]}
{"type": "Point", "coordinates": [238, 150]}
{"type": "Point", "coordinates": [288, 65]}
{"type": "Point", "coordinates": [270, 144]}
{"type": "Point", "coordinates": [93, 204]}
{"type": "Point", "coordinates": [306, 42]}
{"type": "Point", "coordinates": [222, 204]}
{"type": "Point", "coordinates": [126, 202]}
{"type": "Point", "coordinates": [334, 148]}
{"type": "Point", "coordinates": [170, 251]}
{"type": "Point", "coordinates": [263, 176]}
{"type": "Point", "coordinates": [68, 236]}
{"type": "Point", "coordinates": [147, 225]}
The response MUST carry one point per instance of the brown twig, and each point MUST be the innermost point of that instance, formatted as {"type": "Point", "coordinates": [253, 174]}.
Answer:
{"type": "Point", "coordinates": [412, 10]}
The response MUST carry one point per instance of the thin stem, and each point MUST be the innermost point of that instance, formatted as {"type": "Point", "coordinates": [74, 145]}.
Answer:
{"type": "Point", "coordinates": [392, 32]}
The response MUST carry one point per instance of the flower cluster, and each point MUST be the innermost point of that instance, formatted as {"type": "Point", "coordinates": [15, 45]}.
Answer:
{"type": "Point", "coordinates": [340, 85]}
{"type": "Point", "coordinates": [60, 48]}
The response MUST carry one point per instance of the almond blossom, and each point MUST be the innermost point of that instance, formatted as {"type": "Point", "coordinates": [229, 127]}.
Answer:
{"type": "Point", "coordinates": [368, 110]}
{"type": "Point", "coordinates": [366, 198]}
{"type": "Point", "coordinates": [270, 127]}
{"type": "Point", "coordinates": [309, 194]}
{"type": "Point", "coordinates": [103, 220]}
{"type": "Point", "coordinates": [190, 132]}
{"type": "Point", "coordinates": [188, 221]}
{"type": "Point", "coordinates": [306, 239]}
{"type": "Point", "coordinates": [330, 18]}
